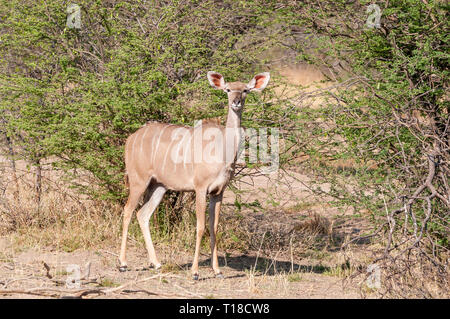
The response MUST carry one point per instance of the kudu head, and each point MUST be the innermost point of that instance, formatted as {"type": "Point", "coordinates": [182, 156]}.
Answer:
{"type": "Point", "coordinates": [237, 91]}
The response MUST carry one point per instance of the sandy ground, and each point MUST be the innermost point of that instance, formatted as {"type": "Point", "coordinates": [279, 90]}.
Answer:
{"type": "Point", "coordinates": [40, 273]}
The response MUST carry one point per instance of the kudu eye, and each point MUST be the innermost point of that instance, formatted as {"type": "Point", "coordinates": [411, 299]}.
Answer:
{"type": "Point", "coordinates": [228, 90]}
{"type": "Point", "coordinates": [245, 91]}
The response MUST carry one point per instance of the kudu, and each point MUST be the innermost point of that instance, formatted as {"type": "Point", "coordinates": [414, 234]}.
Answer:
{"type": "Point", "coordinates": [154, 165]}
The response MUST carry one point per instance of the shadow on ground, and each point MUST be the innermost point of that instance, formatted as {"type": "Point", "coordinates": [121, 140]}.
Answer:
{"type": "Point", "coordinates": [262, 265]}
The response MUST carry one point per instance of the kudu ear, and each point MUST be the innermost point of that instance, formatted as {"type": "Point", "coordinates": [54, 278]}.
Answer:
{"type": "Point", "coordinates": [216, 80]}
{"type": "Point", "coordinates": [259, 82]}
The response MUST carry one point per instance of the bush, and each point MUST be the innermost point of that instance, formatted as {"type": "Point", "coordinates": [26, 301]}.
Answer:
{"type": "Point", "coordinates": [390, 114]}
{"type": "Point", "coordinates": [75, 94]}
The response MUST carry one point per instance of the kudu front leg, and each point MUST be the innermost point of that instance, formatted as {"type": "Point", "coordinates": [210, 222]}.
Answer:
{"type": "Point", "coordinates": [214, 210]}
{"type": "Point", "coordinates": [200, 207]}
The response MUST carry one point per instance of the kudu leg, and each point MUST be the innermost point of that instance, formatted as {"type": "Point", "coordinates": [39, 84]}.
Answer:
{"type": "Point", "coordinates": [214, 210]}
{"type": "Point", "coordinates": [143, 215]}
{"type": "Point", "coordinates": [133, 200]}
{"type": "Point", "coordinates": [200, 206]}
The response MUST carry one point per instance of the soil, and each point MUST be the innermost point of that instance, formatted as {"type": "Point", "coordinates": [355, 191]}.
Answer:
{"type": "Point", "coordinates": [39, 273]}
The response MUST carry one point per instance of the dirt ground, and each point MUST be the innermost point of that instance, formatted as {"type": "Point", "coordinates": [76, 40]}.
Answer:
{"type": "Point", "coordinates": [42, 273]}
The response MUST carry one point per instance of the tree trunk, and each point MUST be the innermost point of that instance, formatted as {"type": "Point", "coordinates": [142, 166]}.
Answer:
{"type": "Point", "coordinates": [38, 181]}
{"type": "Point", "coordinates": [12, 161]}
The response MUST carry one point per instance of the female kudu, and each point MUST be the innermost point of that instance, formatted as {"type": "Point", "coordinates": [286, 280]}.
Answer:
{"type": "Point", "coordinates": [161, 156]}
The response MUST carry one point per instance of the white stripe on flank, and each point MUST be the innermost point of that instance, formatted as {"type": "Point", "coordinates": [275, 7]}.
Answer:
{"type": "Point", "coordinates": [155, 150]}
{"type": "Point", "coordinates": [142, 140]}
{"type": "Point", "coordinates": [130, 148]}
{"type": "Point", "coordinates": [178, 148]}
{"type": "Point", "coordinates": [165, 156]}
{"type": "Point", "coordinates": [132, 151]}
{"type": "Point", "coordinates": [134, 142]}
{"type": "Point", "coordinates": [187, 151]}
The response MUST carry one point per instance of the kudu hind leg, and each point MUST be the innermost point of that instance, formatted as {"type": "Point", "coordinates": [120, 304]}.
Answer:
{"type": "Point", "coordinates": [136, 191]}
{"type": "Point", "coordinates": [156, 193]}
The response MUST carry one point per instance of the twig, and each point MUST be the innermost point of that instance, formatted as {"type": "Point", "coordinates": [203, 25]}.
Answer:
{"type": "Point", "coordinates": [67, 293]}
{"type": "Point", "coordinates": [189, 292]}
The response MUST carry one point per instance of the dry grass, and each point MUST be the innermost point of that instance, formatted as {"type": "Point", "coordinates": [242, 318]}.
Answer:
{"type": "Point", "coordinates": [405, 277]}
{"type": "Point", "coordinates": [60, 219]}
{"type": "Point", "coordinates": [63, 221]}
{"type": "Point", "coordinates": [315, 225]}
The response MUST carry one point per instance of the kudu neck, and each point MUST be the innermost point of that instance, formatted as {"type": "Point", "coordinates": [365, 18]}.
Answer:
{"type": "Point", "coordinates": [234, 119]}
{"type": "Point", "coordinates": [233, 133]}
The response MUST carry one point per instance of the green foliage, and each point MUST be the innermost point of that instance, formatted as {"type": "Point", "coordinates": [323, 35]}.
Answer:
{"type": "Point", "coordinates": [74, 95]}
{"type": "Point", "coordinates": [392, 106]}
{"type": "Point", "coordinates": [390, 116]}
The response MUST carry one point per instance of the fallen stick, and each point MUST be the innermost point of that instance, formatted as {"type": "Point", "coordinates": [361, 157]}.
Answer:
{"type": "Point", "coordinates": [134, 282]}
{"type": "Point", "coordinates": [25, 292]}
{"type": "Point", "coordinates": [65, 293]}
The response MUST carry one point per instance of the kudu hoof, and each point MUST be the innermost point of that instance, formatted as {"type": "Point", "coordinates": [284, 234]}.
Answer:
{"type": "Point", "coordinates": [156, 267]}
{"type": "Point", "coordinates": [195, 277]}
{"type": "Point", "coordinates": [219, 275]}
{"type": "Point", "coordinates": [123, 268]}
